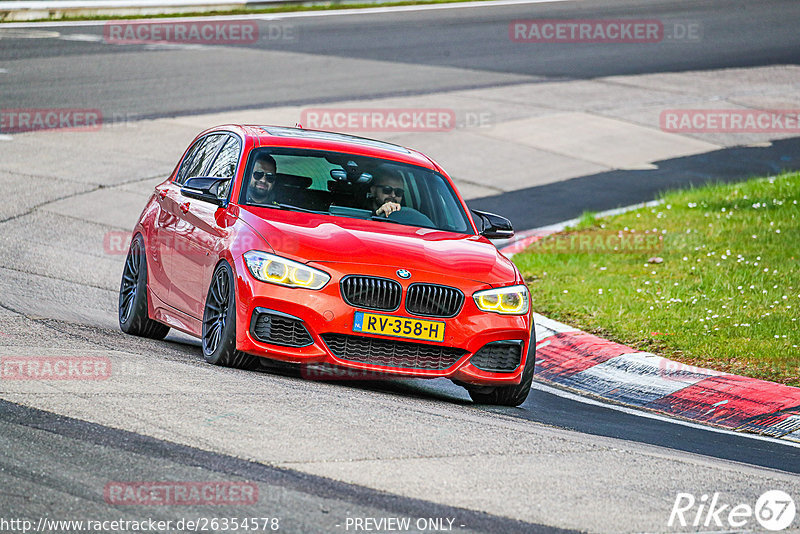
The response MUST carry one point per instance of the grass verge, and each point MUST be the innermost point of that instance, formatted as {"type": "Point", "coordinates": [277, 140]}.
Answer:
{"type": "Point", "coordinates": [285, 8]}
{"type": "Point", "coordinates": [710, 277]}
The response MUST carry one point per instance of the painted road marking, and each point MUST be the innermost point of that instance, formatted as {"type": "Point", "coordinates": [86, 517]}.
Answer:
{"type": "Point", "coordinates": [649, 415]}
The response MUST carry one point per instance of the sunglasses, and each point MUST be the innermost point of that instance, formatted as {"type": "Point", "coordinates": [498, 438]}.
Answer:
{"type": "Point", "coordinates": [259, 175]}
{"type": "Point", "coordinates": [387, 190]}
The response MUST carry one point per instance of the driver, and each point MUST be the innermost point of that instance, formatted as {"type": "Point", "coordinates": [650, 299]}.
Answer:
{"type": "Point", "coordinates": [261, 189]}
{"type": "Point", "coordinates": [385, 193]}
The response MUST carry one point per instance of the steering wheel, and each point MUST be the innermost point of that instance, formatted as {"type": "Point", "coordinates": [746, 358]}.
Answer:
{"type": "Point", "coordinates": [411, 217]}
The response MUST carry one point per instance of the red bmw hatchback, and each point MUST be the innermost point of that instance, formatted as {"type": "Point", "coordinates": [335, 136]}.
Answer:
{"type": "Point", "coordinates": [327, 249]}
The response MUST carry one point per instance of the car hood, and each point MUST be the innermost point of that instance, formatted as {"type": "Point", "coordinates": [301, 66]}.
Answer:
{"type": "Point", "coordinates": [313, 238]}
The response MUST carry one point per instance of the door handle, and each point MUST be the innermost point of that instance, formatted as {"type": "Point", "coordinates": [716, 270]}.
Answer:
{"type": "Point", "coordinates": [184, 207]}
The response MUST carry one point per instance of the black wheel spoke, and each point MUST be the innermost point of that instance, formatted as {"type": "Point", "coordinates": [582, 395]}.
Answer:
{"type": "Point", "coordinates": [130, 282]}
{"type": "Point", "coordinates": [216, 312]}
{"type": "Point", "coordinates": [217, 334]}
{"type": "Point", "coordinates": [133, 308]}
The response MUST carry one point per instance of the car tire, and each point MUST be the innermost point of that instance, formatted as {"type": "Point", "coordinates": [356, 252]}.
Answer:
{"type": "Point", "coordinates": [219, 323]}
{"type": "Point", "coordinates": [132, 312]}
{"type": "Point", "coordinates": [509, 395]}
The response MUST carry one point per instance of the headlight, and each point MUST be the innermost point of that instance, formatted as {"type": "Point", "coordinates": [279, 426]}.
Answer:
{"type": "Point", "coordinates": [276, 270]}
{"type": "Point", "coordinates": [512, 300]}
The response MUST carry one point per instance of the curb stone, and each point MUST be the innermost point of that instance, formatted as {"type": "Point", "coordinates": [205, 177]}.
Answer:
{"type": "Point", "coordinates": [582, 362]}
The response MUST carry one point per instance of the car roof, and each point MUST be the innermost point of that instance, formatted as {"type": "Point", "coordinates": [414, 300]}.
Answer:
{"type": "Point", "coordinates": [282, 136]}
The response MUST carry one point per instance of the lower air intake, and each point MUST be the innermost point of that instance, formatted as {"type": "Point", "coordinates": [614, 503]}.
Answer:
{"type": "Point", "coordinates": [389, 353]}
{"type": "Point", "coordinates": [279, 329]}
{"type": "Point", "coordinates": [498, 357]}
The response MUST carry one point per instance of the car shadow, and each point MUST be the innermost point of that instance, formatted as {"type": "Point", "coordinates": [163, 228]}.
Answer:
{"type": "Point", "coordinates": [438, 389]}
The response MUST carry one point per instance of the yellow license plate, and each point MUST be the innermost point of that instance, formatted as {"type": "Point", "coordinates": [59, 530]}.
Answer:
{"type": "Point", "coordinates": [391, 325]}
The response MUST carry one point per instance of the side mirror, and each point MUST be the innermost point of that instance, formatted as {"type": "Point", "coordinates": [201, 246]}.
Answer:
{"type": "Point", "coordinates": [494, 226]}
{"type": "Point", "coordinates": [207, 189]}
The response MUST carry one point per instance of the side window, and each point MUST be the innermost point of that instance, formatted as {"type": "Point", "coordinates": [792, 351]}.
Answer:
{"type": "Point", "coordinates": [224, 165]}
{"type": "Point", "coordinates": [200, 156]}
{"type": "Point", "coordinates": [181, 177]}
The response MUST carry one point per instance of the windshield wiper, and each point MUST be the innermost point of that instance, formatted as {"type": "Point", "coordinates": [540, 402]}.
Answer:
{"type": "Point", "coordinates": [290, 207]}
{"type": "Point", "coordinates": [384, 218]}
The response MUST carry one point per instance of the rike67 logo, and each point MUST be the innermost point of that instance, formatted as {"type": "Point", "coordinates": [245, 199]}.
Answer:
{"type": "Point", "coordinates": [774, 511]}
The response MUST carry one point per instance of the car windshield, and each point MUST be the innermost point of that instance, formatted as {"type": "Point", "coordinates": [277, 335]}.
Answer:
{"type": "Point", "coordinates": [348, 185]}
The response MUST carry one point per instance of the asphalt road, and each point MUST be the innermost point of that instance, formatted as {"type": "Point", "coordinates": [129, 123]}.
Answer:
{"type": "Point", "coordinates": [322, 452]}
{"type": "Point", "coordinates": [319, 59]}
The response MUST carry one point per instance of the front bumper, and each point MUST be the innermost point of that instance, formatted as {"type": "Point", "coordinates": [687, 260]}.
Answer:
{"type": "Point", "coordinates": [316, 327]}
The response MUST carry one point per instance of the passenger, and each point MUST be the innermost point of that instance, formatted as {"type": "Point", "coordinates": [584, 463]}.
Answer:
{"type": "Point", "coordinates": [386, 193]}
{"type": "Point", "coordinates": [261, 189]}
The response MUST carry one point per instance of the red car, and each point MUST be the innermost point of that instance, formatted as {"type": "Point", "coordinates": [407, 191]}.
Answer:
{"type": "Point", "coordinates": [331, 250]}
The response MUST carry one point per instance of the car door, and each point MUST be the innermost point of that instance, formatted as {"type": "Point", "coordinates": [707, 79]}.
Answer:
{"type": "Point", "coordinates": [201, 232]}
{"type": "Point", "coordinates": [170, 202]}
{"type": "Point", "coordinates": [162, 236]}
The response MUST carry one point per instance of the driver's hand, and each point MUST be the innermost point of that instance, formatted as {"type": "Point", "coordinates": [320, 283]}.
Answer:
{"type": "Point", "coordinates": [388, 208]}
